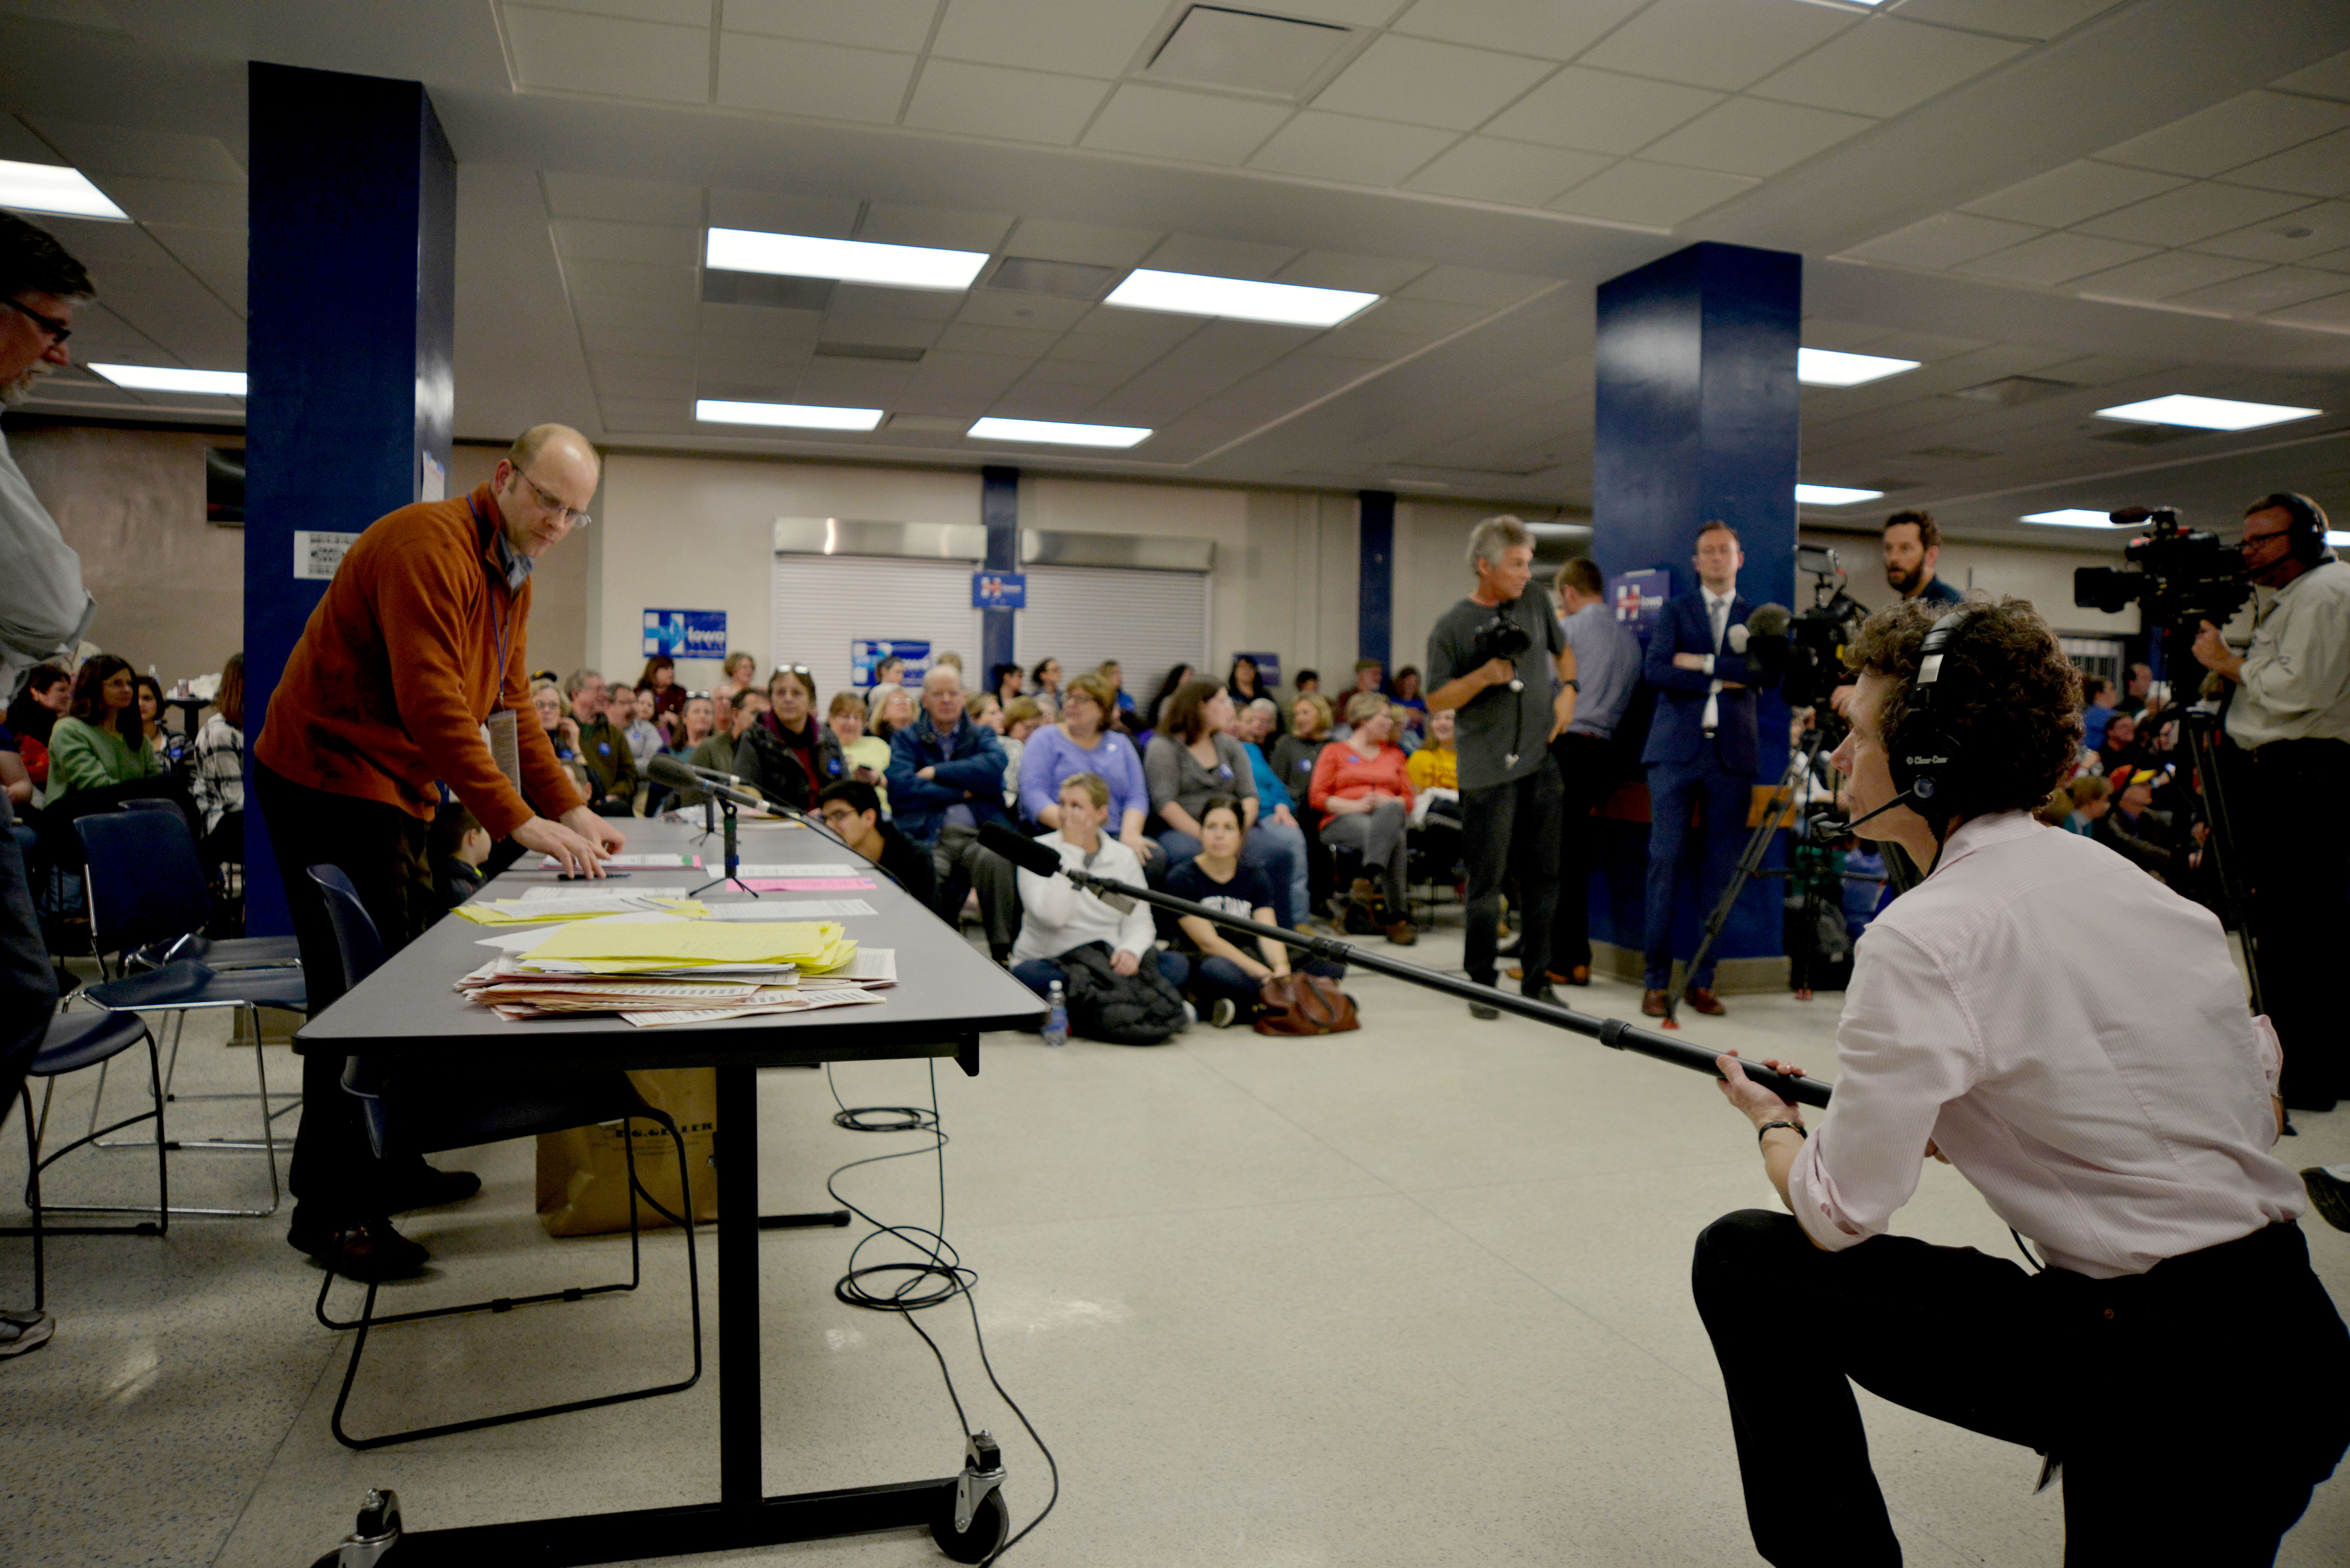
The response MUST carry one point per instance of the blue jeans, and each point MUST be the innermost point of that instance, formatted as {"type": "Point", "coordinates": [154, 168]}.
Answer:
{"type": "Point", "coordinates": [1673, 789]}
{"type": "Point", "coordinates": [1215, 977]}
{"type": "Point", "coordinates": [1271, 847]}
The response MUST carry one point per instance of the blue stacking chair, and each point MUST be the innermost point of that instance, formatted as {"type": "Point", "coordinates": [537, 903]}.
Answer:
{"type": "Point", "coordinates": [462, 1116]}
{"type": "Point", "coordinates": [213, 952]}
{"type": "Point", "coordinates": [146, 889]}
{"type": "Point", "coordinates": [75, 1041]}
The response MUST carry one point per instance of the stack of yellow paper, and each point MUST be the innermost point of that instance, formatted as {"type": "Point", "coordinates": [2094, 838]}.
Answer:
{"type": "Point", "coordinates": [661, 971]}
{"type": "Point", "coordinates": [574, 906]}
{"type": "Point", "coordinates": [698, 948]}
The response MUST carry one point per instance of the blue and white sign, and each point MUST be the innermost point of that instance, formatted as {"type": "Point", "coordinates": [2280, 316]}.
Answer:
{"type": "Point", "coordinates": [1268, 668]}
{"type": "Point", "coordinates": [866, 655]}
{"type": "Point", "coordinates": [1638, 598]}
{"type": "Point", "coordinates": [685, 634]}
{"type": "Point", "coordinates": [999, 590]}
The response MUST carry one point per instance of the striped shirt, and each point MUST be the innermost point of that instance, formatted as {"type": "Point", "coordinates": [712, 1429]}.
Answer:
{"type": "Point", "coordinates": [2073, 1035]}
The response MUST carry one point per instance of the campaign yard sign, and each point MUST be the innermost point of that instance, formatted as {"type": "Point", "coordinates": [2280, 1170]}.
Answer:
{"type": "Point", "coordinates": [685, 634]}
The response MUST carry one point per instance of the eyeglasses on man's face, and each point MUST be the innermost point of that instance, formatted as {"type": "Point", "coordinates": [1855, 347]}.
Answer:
{"type": "Point", "coordinates": [57, 330]}
{"type": "Point", "coordinates": [574, 516]}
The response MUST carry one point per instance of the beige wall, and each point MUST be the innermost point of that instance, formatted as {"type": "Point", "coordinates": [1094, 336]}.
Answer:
{"type": "Point", "coordinates": [170, 586]}
{"type": "Point", "coordinates": [2042, 575]}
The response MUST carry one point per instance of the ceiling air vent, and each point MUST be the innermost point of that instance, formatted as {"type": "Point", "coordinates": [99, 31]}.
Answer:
{"type": "Point", "coordinates": [1215, 45]}
{"type": "Point", "coordinates": [2009, 391]}
{"type": "Point", "coordinates": [2144, 435]}
{"type": "Point", "coordinates": [869, 351]}
{"type": "Point", "coordinates": [1955, 454]}
{"type": "Point", "coordinates": [1065, 280]}
{"type": "Point", "coordinates": [762, 289]}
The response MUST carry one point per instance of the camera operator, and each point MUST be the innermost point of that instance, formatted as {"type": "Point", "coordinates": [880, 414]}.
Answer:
{"type": "Point", "coordinates": [2119, 1115]}
{"type": "Point", "coordinates": [1492, 657]}
{"type": "Point", "coordinates": [2290, 711]}
{"type": "Point", "coordinates": [1913, 548]}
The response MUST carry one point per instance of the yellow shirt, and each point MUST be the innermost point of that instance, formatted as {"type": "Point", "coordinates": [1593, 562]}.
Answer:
{"type": "Point", "coordinates": [1434, 768]}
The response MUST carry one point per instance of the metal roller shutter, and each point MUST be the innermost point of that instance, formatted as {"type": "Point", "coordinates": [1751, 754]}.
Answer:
{"type": "Point", "coordinates": [822, 603]}
{"type": "Point", "coordinates": [1147, 621]}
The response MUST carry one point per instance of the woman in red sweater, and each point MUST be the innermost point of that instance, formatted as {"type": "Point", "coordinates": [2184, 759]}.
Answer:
{"type": "Point", "coordinates": [1364, 794]}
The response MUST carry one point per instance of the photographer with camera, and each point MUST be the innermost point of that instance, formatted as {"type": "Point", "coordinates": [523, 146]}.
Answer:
{"type": "Point", "coordinates": [2290, 711]}
{"type": "Point", "coordinates": [1492, 658]}
{"type": "Point", "coordinates": [2120, 1115]}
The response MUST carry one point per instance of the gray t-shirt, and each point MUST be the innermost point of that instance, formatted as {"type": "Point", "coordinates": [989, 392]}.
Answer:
{"type": "Point", "coordinates": [1498, 721]}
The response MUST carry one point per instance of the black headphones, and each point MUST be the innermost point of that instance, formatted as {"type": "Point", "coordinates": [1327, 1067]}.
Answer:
{"type": "Point", "coordinates": [1920, 754]}
{"type": "Point", "coordinates": [2306, 541]}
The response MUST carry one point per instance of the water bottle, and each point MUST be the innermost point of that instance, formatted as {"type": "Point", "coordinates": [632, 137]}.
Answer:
{"type": "Point", "coordinates": [1056, 1023]}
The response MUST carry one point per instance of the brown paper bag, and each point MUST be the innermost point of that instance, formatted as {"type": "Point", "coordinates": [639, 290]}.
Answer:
{"type": "Point", "coordinates": [583, 1173]}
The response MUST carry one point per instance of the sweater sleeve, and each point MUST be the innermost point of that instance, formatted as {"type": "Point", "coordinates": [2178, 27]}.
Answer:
{"type": "Point", "coordinates": [77, 759]}
{"type": "Point", "coordinates": [1163, 771]}
{"type": "Point", "coordinates": [419, 602]}
{"type": "Point", "coordinates": [1037, 787]}
{"type": "Point", "coordinates": [1128, 792]}
{"type": "Point", "coordinates": [1326, 773]}
{"type": "Point", "coordinates": [1243, 775]}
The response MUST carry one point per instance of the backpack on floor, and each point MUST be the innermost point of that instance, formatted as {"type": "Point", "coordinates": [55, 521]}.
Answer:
{"type": "Point", "coordinates": [1139, 1009]}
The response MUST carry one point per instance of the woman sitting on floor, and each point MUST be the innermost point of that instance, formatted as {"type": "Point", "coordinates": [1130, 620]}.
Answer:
{"type": "Point", "coordinates": [1226, 976]}
{"type": "Point", "coordinates": [1059, 916]}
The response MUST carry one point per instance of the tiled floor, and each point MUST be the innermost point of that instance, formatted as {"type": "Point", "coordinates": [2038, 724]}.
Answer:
{"type": "Point", "coordinates": [1416, 1295]}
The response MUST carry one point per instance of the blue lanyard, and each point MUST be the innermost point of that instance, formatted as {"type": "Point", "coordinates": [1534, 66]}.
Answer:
{"type": "Point", "coordinates": [505, 625]}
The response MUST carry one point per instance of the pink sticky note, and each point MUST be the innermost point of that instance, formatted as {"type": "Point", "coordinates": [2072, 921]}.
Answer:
{"type": "Point", "coordinates": [806, 884]}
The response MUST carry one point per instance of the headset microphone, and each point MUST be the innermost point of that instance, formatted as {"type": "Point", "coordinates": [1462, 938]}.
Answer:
{"type": "Point", "coordinates": [1837, 828]}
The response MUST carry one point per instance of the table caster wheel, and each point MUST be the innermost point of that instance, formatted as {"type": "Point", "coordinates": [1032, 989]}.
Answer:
{"type": "Point", "coordinates": [991, 1525]}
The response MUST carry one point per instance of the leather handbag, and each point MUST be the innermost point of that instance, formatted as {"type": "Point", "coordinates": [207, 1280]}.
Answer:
{"type": "Point", "coordinates": [1303, 1004]}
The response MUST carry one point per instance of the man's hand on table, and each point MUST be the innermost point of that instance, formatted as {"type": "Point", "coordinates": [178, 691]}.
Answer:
{"type": "Point", "coordinates": [578, 842]}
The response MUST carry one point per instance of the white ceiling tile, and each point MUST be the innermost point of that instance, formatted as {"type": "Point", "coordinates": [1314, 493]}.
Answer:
{"type": "Point", "coordinates": [1426, 319]}
{"type": "Point", "coordinates": [915, 304]}
{"type": "Point", "coordinates": [2328, 78]}
{"type": "Point", "coordinates": [1080, 372]}
{"type": "Point", "coordinates": [852, 383]}
{"type": "Point", "coordinates": [1637, 192]}
{"type": "Point", "coordinates": [2192, 213]}
{"type": "Point", "coordinates": [1084, 37]}
{"type": "Point", "coordinates": [2329, 314]}
{"type": "Point", "coordinates": [823, 217]}
{"type": "Point", "coordinates": [1717, 43]}
{"type": "Point", "coordinates": [624, 276]}
{"type": "Point", "coordinates": [1340, 147]}
{"type": "Point", "coordinates": [1520, 173]}
{"type": "Point", "coordinates": [1599, 111]}
{"type": "Point", "coordinates": [1164, 122]}
{"type": "Point", "coordinates": [646, 413]}
{"type": "Point", "coordinates": [2068, 194]}
{"type": "Point", "coordinates": [2160, 276]}
{"type": "Point", "coordinates": [1749, 135]}
{"type": "Point", "coordinates": [634, 201]}
{"type": "Point", "coordinates": [2299, 236]}
{"type": "Point", "coordinates": [635, 313]}
{"type": "Point", "coordinates": [19, 144]}
{"type": "Point", "coordinates": [2319, 168]}
{"type": "Point", "coordinates": [2332, 261]}
{"type": "Point", "coordinates": [1886, 67]}
{"type": "Point", "coordinates": [1364, 274]}
{"type": "Point", "coordinates": [901, 24]}
{"type": "Point", "coordinates": [971, 337]}
{"type": "Point", "coordinates": [2016, 19]}
{"type": "Point", "coordinates": [825, 81]}
{"type": "Point", "coordinates": [208, 250]}
{"type": "Point", "coordinates": [1467, 285]}
{"type": "Point", "coordinates": [201, 203]}
{"type": "Point", "coordinates": [93, 243]}
{"type": "Point", "coordinates": [892, 224]}
{"type": "Point", "coordinates": [1944, 241]}
{"type": "Point", "coordinates": [895, 331]}
{"type": "Point", "coordinates": [1427, 83]}
{"type": "Point", "coordinates": [1547, 28]}
{"type": "Point", "coordinates": [1049, 239]}
{"type": "Point", "coordinates": [2256, 293]}
{"type": "Point", "coordinates": [573, 52]}
{"type": "Point", "coordinates": [988, 101]}
{"type": "Point", "coordinates": [2055, 258]}
{"type": "Point", "coordinates": [1353, 13]}
{"type": "Point", "coordinates": [126, 149]}
{"type": "Point", "coordinates": [1217, 258]}
{"type": "Point", "coordinates": [2248, 126]}
{"type": "Point", "coordinates": [597, 239]}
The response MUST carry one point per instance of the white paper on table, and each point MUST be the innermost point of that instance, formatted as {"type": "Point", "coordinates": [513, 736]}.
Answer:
{"type": "Point", "coordinates": [665, 862]}
{"type": "Point", "coordinates": [870, 963]}
{"type": "Point", "coordinates": [653, 1020]}
{"type": "Point", "coordinates": [565, 899]}
{"type": "Point", "coordinates": [771, 907]}
{"type": "Point", "coordinates": [831, 868]}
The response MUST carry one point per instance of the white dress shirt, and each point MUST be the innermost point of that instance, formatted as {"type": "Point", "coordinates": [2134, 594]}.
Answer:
{"type": "Point", "coordinates": [1717, 615]}
{"type": "Point", "coordinates": [44, 608]}
{"type": "Point", "coordinates": [2073, 1035]}
{"type": "Point", "coordinates": [1058, 915]}
{"type": "Point", "coordinates": [2296, 682]}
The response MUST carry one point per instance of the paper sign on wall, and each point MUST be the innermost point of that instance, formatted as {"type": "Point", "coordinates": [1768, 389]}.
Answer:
{"type": "Point", "coordinates": [1268, 668]}
{"type": "Point", "coordinates": [317, 553]}
{"type": "Point", "coordinates": [1638, 598]}
{"type": "Point", "coordinates": [866, 655]}
{"type": "Point", "coordinates": [999, 590]}
{"type": "Point", "coordinates": [685, 634]}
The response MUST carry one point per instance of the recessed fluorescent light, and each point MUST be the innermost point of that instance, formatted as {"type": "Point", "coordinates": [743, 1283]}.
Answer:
{"type": "Point", "coordinates": [1191, 293]}
{"type": "Point", "coordinates": [172, 379]}
{"type": "Point", "coordinates": [803, 416]}
{"type": "Point", "coordinates": [1832, 495]}
{"type": "Point", "coordinates": [1827, 367]}
{"type": "Point", "coordinates": [2072, 518]}
{"type": "Point", "coordinates": [2338, 539]}
{"type": "Point", "coordinates": [52, 188]}
{"type": "Point", "coordinates": [1057, 433]}
{"type": "Point", "coordinates": [2205, 413]}
{"type": "Point", "coordinates": [851, 261]}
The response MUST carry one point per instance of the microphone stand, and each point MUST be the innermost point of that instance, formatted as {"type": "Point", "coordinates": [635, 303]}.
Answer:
{"type": "Point", "coordinates": [1613, 1032]}
{"type": "Point", "coordinates": [733, 861]}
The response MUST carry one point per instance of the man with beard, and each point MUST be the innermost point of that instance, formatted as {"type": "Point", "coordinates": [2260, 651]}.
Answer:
{"type": "Point", "coordinates": [1913, 545]}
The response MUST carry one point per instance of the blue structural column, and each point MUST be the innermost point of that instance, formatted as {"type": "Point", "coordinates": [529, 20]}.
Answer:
{"type": "Point", "coordinates": [1697, 421]}
{"type": "Point", "coordinates": [999, 511]}
{"type": "Point", "coordinates": [352, 279]}
{"type": "Point", "coordinates": [1375, 590]}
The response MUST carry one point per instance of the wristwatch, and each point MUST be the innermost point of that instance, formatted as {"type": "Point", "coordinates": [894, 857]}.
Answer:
{"type": "Point", "coordinates": [1796, 1127]}
{"type": "Point", "coordinates": [1572, 685]}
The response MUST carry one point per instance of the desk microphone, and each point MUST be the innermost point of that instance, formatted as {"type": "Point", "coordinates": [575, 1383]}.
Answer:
{"type": "Point", "coordinates": [709, 780]}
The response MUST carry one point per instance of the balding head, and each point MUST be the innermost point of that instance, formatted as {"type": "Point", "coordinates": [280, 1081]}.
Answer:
{"type": "Point", "coordinates": [942, 697]}
{"type": "Point", "coordinates": [543, 486]}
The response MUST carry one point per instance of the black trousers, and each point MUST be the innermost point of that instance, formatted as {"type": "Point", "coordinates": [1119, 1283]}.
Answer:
{"type": "Point", "coordinates": [336, 1177]}
{"type": "Point", "coordinates": [1587, 766]}
{"type": "Point", "coordinates": [2298, 874]}
{"type": "Point", "coordinates": [1508, 830]}
{"type": "Point", "coordinates": [2193, 1407]}
{"type": "Point", "coordinates": [28, 989]}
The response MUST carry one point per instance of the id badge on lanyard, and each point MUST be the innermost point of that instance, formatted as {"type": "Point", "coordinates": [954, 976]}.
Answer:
{"type": "Point", "coordinates": [501, 731]}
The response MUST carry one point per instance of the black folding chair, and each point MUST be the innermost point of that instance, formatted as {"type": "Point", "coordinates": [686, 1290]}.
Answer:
{"type": "Point", "coordinates": [75, 1041]}
{"type": "Point", "coordinates": [428, 1123]}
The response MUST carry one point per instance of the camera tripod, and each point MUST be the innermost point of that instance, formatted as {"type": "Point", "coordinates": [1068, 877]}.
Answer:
{"type": "Point", "coordinates": [1800, 764]}
{"type": "Point", "coordinates": [2201, 732]}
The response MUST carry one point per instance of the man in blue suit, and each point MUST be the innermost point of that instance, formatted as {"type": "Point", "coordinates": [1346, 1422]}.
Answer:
{"type": "Point", "coordinates": [1701, 752]}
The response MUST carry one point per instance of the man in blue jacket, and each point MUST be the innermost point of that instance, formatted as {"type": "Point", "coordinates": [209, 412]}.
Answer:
{"type": "Point", "coordinates": [946, 781]}
{"type": "Point", "coordinates": [1701, 752]}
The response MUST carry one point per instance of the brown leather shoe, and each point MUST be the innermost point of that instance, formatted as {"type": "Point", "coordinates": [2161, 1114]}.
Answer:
{"type": "Point", "coordinates": [1516, 971]}
{"type": "Point", "coordinates": [1652, 1004]}
{"type": "Point", "coordinates": [1401, 933]}
{"type": "Point", "coordinates": [1704, 1000]}
{"type": "Point", "coordinates": [1579, 975]}
{"type": "Point", "coordinates": [369, 1251]}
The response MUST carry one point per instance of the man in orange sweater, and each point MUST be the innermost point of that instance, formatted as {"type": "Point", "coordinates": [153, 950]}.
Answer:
{"type": "Point", "coordinates": [411, 673]}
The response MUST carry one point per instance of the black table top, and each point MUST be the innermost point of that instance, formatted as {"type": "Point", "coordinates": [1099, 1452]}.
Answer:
{"type": "Point", "coordinates": [947, 990]}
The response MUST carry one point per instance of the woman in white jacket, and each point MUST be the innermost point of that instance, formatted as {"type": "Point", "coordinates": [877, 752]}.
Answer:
{"type": "Point", "coordinates": [1057, 915]}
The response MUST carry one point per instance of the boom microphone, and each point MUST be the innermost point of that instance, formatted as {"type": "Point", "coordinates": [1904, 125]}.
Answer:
{"type": "Point", "coordinates": [681, 776]}
{"type": "Point", "coordinates": [1019, 848]}
{"type": "Point", "coordinates": [1766, 630]}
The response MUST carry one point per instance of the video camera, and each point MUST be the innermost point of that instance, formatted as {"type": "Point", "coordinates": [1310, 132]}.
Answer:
{"type": "Point", "coordinates": [2184, 576]}
{"type": "Point", "coordinates": [1806, 650]}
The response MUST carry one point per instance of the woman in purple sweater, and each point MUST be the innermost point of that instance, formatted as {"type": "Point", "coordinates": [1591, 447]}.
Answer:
{"type": "Point", "coordinates": [1078, 745]}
